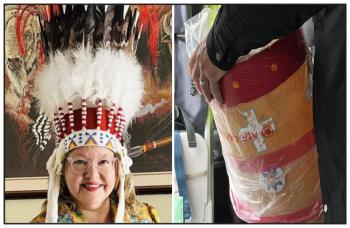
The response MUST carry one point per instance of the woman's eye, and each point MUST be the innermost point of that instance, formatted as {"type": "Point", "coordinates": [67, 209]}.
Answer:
{"type": "Point", "coordinates": [104, 162]}
{"type": "Point", "coordinates": [80, 162]}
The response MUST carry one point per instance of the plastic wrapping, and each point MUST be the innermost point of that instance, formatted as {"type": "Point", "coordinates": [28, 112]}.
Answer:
{"type": "Point", "coordinates": [197, 29]}
{"type": "Point", "coordinates": [266, 129]}
{"type": "Point", "coordinates": [267, 136]}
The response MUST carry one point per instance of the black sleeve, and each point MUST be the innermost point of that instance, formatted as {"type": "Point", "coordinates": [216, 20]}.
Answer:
{"type": "Point", "coordinates": [240, 28]}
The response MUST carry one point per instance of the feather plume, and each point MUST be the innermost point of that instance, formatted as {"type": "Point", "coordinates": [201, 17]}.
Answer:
{"type": "Point", "coordinates": [108, 25]}
{"type": "Point", "coordinates": [76, 33]}
{"type": "Point", "coordinates": [90, 25]}
{"type": "Point", "coordinates": [55, 28]}
{"type": "Point", "coordinates": [149, 18]}
{"type": "Point", "coordinates": [83, 42]}
{"type": "Point", "coordinates": [104, 77]}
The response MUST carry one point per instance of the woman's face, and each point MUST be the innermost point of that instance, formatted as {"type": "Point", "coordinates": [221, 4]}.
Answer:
{"type": "Point", "coordinates": [89, 176]}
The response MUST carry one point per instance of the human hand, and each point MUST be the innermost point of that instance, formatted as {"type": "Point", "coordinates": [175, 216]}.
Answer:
{"type": "Point", "coordinates": [205, 74]}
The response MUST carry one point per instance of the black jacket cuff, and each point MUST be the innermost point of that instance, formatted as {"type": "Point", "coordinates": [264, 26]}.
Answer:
{"type": "Point", "coordinates": [216, 56]}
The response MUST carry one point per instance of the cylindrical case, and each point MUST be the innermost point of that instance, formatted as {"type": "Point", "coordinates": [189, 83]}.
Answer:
{"type": "Point", "coordinates": [266, 131]}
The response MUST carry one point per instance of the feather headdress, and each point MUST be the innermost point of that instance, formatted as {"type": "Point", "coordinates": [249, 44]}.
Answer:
{"type": "Point", "coordinates": [91, 85]}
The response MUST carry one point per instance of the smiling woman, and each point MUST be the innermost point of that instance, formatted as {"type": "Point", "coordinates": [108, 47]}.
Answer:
{"type": "Point", "coordinates": [88, 190]}
{"type": "Point", "coordinates": [91, 101]}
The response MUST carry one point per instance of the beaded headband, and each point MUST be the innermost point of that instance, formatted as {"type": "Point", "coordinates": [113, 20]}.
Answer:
{"type": "Point", "coordinates": [90, 126]}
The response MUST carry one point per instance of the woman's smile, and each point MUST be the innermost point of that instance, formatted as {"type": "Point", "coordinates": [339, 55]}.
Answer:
{"type": "Point", "coordinates": [92, 186]}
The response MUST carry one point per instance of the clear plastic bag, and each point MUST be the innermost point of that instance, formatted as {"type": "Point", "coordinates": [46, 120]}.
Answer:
{"type": "Point", "coordinates": [197, 29]}
{"type": "Point", "coordinates": [266, 130]}
{"type": "Point", "coordinates": [267, 136]}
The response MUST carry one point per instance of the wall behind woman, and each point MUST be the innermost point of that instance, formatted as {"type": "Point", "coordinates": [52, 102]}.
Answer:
{"type": "Point", "coordinates": [24, 210]}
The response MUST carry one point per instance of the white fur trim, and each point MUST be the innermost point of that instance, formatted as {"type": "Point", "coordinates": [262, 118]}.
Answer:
{"type": "Point", "coordinates": [119, 218]}
{"type": "Point", "coordinates": [126, 164]}
{"type": "Point", "coordinates": [126, 160]}
{"type": "Point", "coordinates": [54, 167]}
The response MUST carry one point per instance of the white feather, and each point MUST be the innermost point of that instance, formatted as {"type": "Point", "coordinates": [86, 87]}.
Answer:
{"type": "Point", "coordinates": [108, 75]}
{"type": "Point", "coordinates": [132, 88]}
{"type": "Point", "coordinates": [46, 83]}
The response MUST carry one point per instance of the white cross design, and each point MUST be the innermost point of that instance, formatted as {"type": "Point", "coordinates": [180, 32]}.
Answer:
{"type": "Point", "coordinates": [254, 130]}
